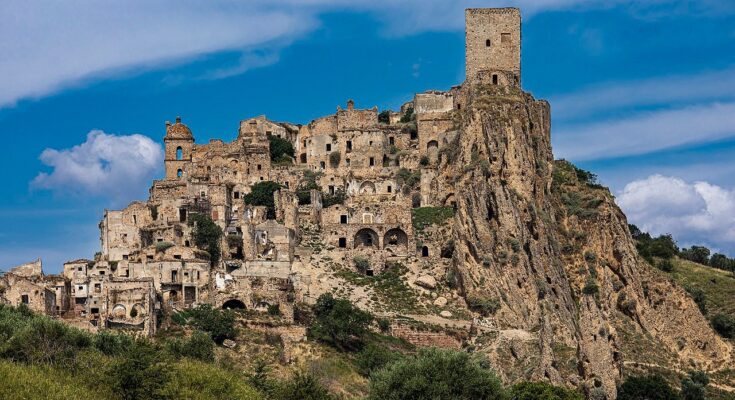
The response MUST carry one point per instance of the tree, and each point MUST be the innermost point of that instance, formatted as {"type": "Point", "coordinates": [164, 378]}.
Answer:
{"type": "Point", "coordinates": [384, 117]}
{"type": "Point", "coordinates": [374, 357]}
{"type": "Point", "coordinates": [140, 373]}
{"type": "Point", "coordinates": [220, 324]}
{"type": "Point", "coordinates": [543, 391]}
{"type": "Point", "coordinates": [338, 322]}
{"type": "Point", "coordinates": [697, 254]}
{"type": "Point", "coordinates": [699, 297]}
{"type": "Point", "coordinates": [663, 246]}
{"type": "Point", "coordinates": [261, 194]}
{"type": "Point", "coordinates": [693, 386]}
{"type": "Point", "coordinates": [280, 149]}
{"type": "Point", "coordinates": [206, 235]}
{"type": "Point", "coordinates": [408, 115]}
{"type": "Point", "coordinates": [721, 261]}
{"type": "Point", "coordinates": [724, 325]}
{"type": "Point", "coordinates": [436, 374]}
{"type": "Point", "coordinates": [303, 386]}
{"type": "Point", "coordinates": [651, 387]}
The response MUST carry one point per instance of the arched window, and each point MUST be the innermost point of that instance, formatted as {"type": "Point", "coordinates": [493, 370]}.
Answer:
{"type": "Point", "coordinates": [495, 79]}
{"type": "Point", "coordinates": [179, 173]}
{"type": "Point", "coordinates": [487, 43]}
{"type": "Point", "coordinates": [425, 251]}
{"type": "Point", "coordinates": [179, 153]}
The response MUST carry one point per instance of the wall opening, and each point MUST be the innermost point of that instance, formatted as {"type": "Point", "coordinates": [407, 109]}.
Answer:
{"type": "Point", "coordinates": [303, 158]}
{"type": "Point", "coordinates": [343, 219]}
{"type": "Point", "coordinates": [425, 251]}
{"type": "Point", "coordinates": [179, 153]}
{"type": "Point", "coordinates": [182, 215]}
{"type": "Point", "coordinates": [495, 79]}
{"type": "Point", "coordinates": [24, 299]}
{"type": "Point", "coordinates": [233, 304]}
{"type": "Point", "coordinates": [487, 43]}
{"type": "Point", "coordinates": [366, 237]}
{"type": "Point", "coordinates": [342, 242]}
{"type": "Point", "coordinates": [349, 146]}
{"type": "Point", "coordinates": [179, 173]}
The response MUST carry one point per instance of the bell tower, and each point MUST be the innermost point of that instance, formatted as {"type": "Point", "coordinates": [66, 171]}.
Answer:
{"type": "Point", "coordinates": [178, 144]}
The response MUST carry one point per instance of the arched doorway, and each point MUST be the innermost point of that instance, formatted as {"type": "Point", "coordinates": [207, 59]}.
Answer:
{"type": "Point", "coordinates": [432, 150]}
{"type": "Point", "coordinates": [395, 239]}
{"type": "Point", "coordinates": [425, 251]}
{"type": "Point", "coordinates": [366, 237]}
{"type": "Point", "coordinates": [233, 304]}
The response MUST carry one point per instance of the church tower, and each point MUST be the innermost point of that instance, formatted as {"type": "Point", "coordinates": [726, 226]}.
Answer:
{"type": "Point", "coordinates": [178, 146]}
{"type": "Point", "coordinates": [493, 45]}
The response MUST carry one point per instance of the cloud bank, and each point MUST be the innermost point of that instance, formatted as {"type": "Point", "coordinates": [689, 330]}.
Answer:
{"type": "Point", "coordinates": [118, 167]}
{"type": "Point", "coordinates": [694, 213]}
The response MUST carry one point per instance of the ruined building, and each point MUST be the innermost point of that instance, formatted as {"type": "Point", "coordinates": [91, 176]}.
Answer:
{"type": "Point", "coordinates": [509, 266]}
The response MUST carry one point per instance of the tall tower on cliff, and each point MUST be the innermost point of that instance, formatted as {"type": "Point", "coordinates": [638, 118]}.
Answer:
{"type": "Point", "coordinates": [178, 144]}
{"type": "Point", "coordinates": [493, 44]}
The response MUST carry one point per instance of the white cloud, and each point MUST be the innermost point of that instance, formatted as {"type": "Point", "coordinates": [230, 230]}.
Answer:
{"type": "Point", "coordinates": [48, 46]}
{"type": "Point", "coordinates": [117, 167]}
{"type": "Point", "coordinates": [694, 213]}
{"type": "Point", "coordinates": [705, 86]}
{"type": "Point", "coordinates": [645, 132]}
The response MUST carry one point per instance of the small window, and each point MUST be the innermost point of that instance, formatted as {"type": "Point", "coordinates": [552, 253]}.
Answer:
{"type": "Point", "coordinates": [424, 251]}
{"type": "Point", "coordinates": [303, 158]}
{"type": "Point", "coordinates": [259, 167]}
{"type": "Point", "coordinates": [329, 147]}
{"type": "Point", "coordinates": [236, 195]}
{"type": "Point", "coordinates": [342, 242]}
{"type": "Point", "coordinates": [149, 257]}
{"type": "Point", "coordinates": [459, 106]}
{"type": "Point", "coordinates": [495, 79]}
{"type": "Point", "coordinates": [322, 165]}
{"type": "Point", "coordinates": [79, 269]}
{"type": "Point", "coordinates": [177, 256]}
{"type": "Point", "coordinates": [370, 143]}
{"type": "Point", "coordinates": [391, 140]}
{"type": "Point", "coordinates": [390, 189]}
{"type": "Point", "coordinates": [331, 190]}
{"type": "Point", "coordinates": [304, 143]}
{"type": "Point", "coordinates": [347, 161]}
{"type": "Point", "coordinates": [179, 153]}
{"type": "Point", "coordinates": [24, 299]}
{"type": "Point", "coordinates": [102, 272]}
{"type": "Point", "coordinates": [487, 43]}
{"type": "Point", "coordinates": [81, 288]}
{"type": "Point", "coordinates": [343, 219]}
{"type": "Point", "coordinates": [372, 161]}
{"type": "Point", "coordinates": [349, 146]}
{"type": "Point", "coordinates": [179, 173]}
{"type": "Point", "coordinates": [125, 256]}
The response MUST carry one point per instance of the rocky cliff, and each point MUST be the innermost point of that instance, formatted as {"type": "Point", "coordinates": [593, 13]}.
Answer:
{"type": "Point", "coordinates": [545, 254]}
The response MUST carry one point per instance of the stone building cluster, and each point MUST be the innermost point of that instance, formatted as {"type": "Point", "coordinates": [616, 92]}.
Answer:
{"type": "Point", "coordinates": [379, 166]}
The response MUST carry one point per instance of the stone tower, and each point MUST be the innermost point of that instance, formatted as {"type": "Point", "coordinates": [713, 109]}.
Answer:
{"type": "Point", "coordinates": [178, 145]}
{"type": "Point", "coordinates": [493, 45]}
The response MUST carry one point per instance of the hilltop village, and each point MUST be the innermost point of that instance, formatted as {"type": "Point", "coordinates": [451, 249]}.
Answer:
{"type": "Point", "coordinates": [448, 219]}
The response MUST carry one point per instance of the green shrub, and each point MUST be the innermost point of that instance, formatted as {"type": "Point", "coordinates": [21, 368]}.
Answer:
{"type": "Point", "coordinates": [40, 340]}
{"type": "Point", "coordinates": [281, 150]}
{"type": "Point", "coordinates": [362, 264]}
{"type": "Point", "coordinates": [206, 235]}
{"type": "Point", "coordinates": [590, 287]}
{"type": "Point", "coordinates": [724, 325]}
{"type": "Point", "coordinates": [140, 373]}
{"type": "Point", "coordinates": [374, 357]}
{"type": "Point", "coordinates": [543, 391]}
{"type": "Point", "coordinates": [274, 309]}
{"type": "Point", "coordinates": [652, 387]}
{"type": "Point", "coordinates": [220, 324]}
{"type": "Point", "coordinates": [697, 254]}
{"type": "Point", "coordinates": [163, 246]}
{"type": "Point", "coordinates": [699, 297]}
{"type": "Point", "coordinates": [693, 386]}
{"type": "Point", "coordinates": [436, 374]}
{"type": "Point", "coordinates": [384, 117]}
{"type": "Point", "coordinates": [112, 344]}
{"type": "Point", "coordinates": [408, 180]}
{"type": "Point", "coordinates": [189, 379]}
{"type": "Point", "coordinates": [383, 324]}
{"type": "Point", "coordinates": [665, 265]}
{"type": "Point", "coordinates": [485, 306]}
{"type": "Point", "coordinates": [29, 382]}
{"type": "Point", "coordinates": [424, 161]}
{"type": "Point", "coordinates": [199, 347]}
{"type": "Point", "coordinates": [261, 194]}
{"type": "Point", "coordinates": [425, 216]}
{"type": "Point", "coordinates": [338, 197]}
{"type": "Point", "coordinates": [302, 386]}
{"type": "Point", "coordinates": [408, 116]}
{"type": "Point", "coordinates": [339, 323]}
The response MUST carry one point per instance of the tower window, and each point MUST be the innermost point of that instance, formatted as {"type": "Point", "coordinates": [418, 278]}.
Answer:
{"type": "Point", "coordinates": [487, 43]}
{"type": "Point", "coordinates": [329, 147]}
{"type": "Point", "coordinates": [505, 38]}
{"type": "Point", "coordinates": [391, 140]}
{"type": "Point", "coordinates": [495, 79]}
{"type": "Point", "coordinates": [372, 161]}
{"type": "Point", "coordinates": [179, 173]}
{"type": "Point", "coordinates": [179, 153]}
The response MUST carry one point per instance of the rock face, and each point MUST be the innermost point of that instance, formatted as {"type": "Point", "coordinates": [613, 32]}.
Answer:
{"type": "Point", "coordinates": [426, 281]}
{"type": "Point", "coordinates": [554, 251]}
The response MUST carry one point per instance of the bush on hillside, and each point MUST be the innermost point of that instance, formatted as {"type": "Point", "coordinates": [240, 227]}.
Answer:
{"type": "Point", "coordinates": [697, 254]}
{"type": "Point", "coordinates": [436, 374]}
{"type": "Point", "coordinates": [724, 325]}
{"type": "Point", "coordinates": [693, 386]}
{"type": "Point", "coordinates": [339, 323]}
{"type": "Point", "coordinates": [374, 357]}
{"type": "Point", "coordinates": [281, 150]}
{"type": "Point", "coordinates": [543, 391]}
{"type": "Point", "coordinates": [651, 387]}
{"type": "Point", "coordinates": [219, 324]}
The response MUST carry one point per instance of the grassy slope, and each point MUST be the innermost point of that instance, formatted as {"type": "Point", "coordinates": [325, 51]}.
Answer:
{"type": "Point", "coordinates": [20, 381]}
{"type": "Point", "coordinates": [717, 285]}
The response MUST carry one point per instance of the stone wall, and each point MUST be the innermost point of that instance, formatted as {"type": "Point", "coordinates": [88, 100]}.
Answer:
{"type": "Point", "coordinates": [492, 40]}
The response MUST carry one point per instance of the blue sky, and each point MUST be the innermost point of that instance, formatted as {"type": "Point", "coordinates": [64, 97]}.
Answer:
{"type": "Point", "coordinates": [642, 93]}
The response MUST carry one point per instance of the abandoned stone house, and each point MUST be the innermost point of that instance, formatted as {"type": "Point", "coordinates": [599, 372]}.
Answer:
{"type": "Point", "coordinates": [385, 166]}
